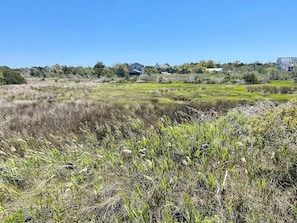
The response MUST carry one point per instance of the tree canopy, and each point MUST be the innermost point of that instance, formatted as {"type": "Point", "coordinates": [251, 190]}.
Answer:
{"type": "Point", "coordinates": [98, 68]}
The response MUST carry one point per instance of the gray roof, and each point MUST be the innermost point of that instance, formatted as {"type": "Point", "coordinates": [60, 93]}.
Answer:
{"type": "Point", "coordinates": [136, 63]}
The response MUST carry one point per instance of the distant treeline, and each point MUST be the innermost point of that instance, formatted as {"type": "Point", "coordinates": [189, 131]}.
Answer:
{"type": "Point", "coordinates": [251, 72]}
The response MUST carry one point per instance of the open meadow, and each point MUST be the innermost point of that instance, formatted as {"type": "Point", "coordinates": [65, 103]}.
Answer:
{"type": "Point", "coordinates": [89, 151]}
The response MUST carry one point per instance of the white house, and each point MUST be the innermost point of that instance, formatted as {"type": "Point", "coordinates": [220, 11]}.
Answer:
{"type": "Point", "coordinates": [286, 63]}
{"type": "Point", "coordinates": [136, 69]}
{"type": "Point", "coordinates": [215, 69]}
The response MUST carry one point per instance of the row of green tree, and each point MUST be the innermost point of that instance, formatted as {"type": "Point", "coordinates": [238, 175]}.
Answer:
{"type": "Point", "coordinates": [236, 70]}
{"type": "Point", "coordinates": [119, 69]}
{"type": "Point", "coordinates": [98, 70]}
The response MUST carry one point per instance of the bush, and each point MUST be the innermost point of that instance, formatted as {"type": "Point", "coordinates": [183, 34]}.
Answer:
{"type": "Point", "coordinates": [276, 135]}
{"type": "Point", "coordinates": [286, 90]}
{"type": "Point", "coordinates": [9, 76]}
{"type": "Point", "coordinates": [277, 126]}
{"type": "Point", "coordinates": [250, 78]}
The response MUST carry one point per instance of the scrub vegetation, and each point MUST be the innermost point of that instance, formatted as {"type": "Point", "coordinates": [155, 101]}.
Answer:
{"type": "Point", "coordinates": [157, 150]}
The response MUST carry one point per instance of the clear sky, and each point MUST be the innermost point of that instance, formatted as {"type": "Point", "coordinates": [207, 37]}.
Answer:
{"type": "Point", "coordinates": [82, 32]}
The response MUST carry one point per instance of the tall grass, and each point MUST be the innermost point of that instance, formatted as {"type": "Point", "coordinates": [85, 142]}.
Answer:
{"type": "Point", "coordinates": [88, 161]}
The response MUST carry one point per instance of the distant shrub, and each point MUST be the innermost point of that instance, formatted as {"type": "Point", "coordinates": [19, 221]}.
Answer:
{"type": "Point", "coordinates": [253, 88]}
{"type": "Point", "coordinates": [271, 89]}
{"type": "Point", "coordinates": [121, 81]}
{"type": "Point", "coordinates": [9, 76]}
{"type": "Point", "coordinates": [250, 78]}
{"type": "Point", "coordinates": [154, 101]}
{"type": "Point", "coordinates": [134, 79]}
{"type": "Point", "coordinates": [181, 98]}
{"type": "Point", "coordinates": [228, 77]}
{"type": "Point", "coordinates": [210, 82]}
{"type": "Point", "coordinates": [197, 79]}
{"type": "Point", "coordinates": [285, 90]}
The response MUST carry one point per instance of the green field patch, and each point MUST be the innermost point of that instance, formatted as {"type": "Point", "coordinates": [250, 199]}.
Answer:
{"type": "Point", "coordinates": [176, 92]}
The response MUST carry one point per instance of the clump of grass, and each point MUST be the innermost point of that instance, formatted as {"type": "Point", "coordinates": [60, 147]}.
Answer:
{"type": "Point", "coordinates": [271, 89]}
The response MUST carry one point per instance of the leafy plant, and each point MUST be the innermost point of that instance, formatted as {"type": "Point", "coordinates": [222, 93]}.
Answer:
{"type": "Point", "coordinates": [16, 217]}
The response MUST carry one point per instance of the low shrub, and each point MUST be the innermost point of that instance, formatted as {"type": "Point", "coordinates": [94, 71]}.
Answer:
{"type": "Point", "coordinates": [9, 76]}
{"type": "Point", "coordinates": [250, 78]}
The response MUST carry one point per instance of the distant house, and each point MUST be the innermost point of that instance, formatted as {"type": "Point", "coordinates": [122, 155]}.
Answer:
{"type": "Point", "coordinates": [215, 69]}
{"type": "Point", "coordinates": [162, 67]}
{"type": "Point", "coordinates": [136, 69]}
{"type": "Point", "coordinates": [165, 68]}
{"type": "Point", "coordinates": [286, 63]}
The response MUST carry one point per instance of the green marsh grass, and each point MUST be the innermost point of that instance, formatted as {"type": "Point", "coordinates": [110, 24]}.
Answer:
{"type": "Point", "coordinates": [135, 93]}
{"type": "Point", "coordinates": [108, 153]}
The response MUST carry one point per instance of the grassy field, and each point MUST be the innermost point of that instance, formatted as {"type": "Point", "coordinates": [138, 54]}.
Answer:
{"type": "Point", "coordinates": [135, 93]}
{"type": "Point", "coordinates": [147, 152]}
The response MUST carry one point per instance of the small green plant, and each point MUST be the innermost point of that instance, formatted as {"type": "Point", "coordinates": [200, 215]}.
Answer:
{"type": "Point", "coordinates": [193, 215]}
{"type": "Point", "coordinates": [131, 212]}
{"type": "Point", "coordinates": [143, 213]}
{"type": "Point", "coordinates": [16, 217]}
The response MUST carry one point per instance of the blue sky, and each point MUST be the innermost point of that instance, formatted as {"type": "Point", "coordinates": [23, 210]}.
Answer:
{"type": "Point", "coordinates": [82, 32]}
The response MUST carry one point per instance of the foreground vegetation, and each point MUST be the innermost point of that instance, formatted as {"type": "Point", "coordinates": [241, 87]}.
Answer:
{"type": "Point", "coordinates": [151, 152]}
